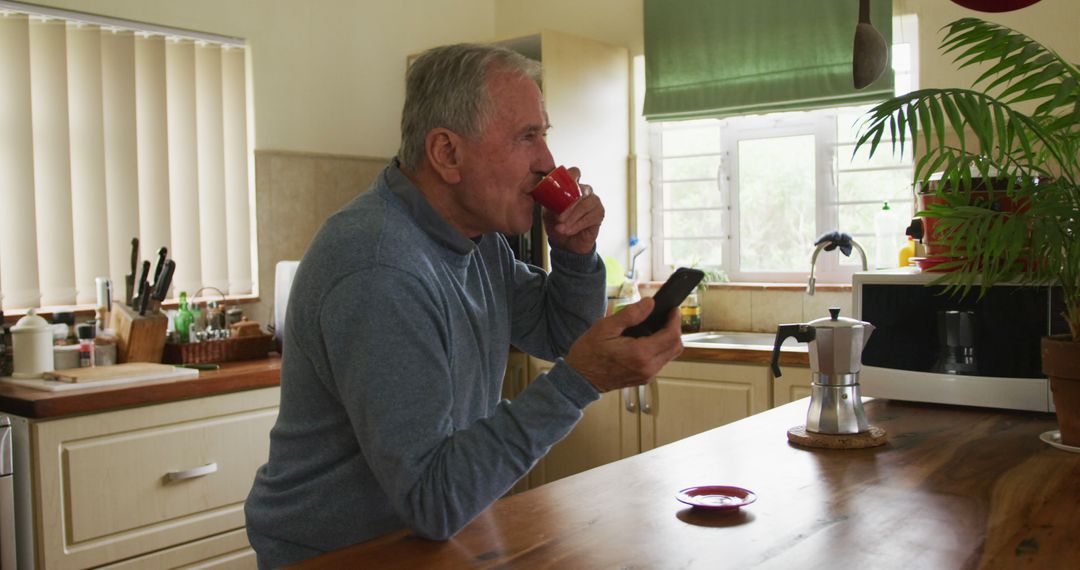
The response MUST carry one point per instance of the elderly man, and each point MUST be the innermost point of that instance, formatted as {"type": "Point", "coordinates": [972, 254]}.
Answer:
{"type": "Point", "coordinates": [402, 312]}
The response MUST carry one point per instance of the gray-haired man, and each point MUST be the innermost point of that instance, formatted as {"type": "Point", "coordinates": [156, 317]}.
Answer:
{"type": "Point", "coordinates": [402, 312]}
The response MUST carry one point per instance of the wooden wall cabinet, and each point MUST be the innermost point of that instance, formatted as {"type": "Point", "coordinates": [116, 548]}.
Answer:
{"type": "Point", "coordinates": [158, 486]}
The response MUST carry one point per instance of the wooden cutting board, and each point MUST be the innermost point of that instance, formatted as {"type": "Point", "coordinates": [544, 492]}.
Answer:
{"type": "Point", "coordinates": [126, 371]}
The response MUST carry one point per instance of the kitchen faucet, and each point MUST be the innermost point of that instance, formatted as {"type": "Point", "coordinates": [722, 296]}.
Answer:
{"type": "Point", "coordinates": [829, 242]}
{"type": "Point", "coordinates": [632, 274]}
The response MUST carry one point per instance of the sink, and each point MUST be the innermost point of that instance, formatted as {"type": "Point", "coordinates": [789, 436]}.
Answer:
{"type": "Point", "coordinates": [743, 340]}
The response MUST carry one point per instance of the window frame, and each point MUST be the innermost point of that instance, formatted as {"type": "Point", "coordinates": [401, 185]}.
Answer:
{"type": "Point", "coordinates": [828, 174]}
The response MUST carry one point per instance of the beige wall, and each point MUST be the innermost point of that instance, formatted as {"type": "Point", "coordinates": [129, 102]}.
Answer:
{"type": "Point", "coordinates": [327, 75]}
{"type": "Point", "coordinates": [616, 22]}
{"type": "Point", "coordinates": [1050, 22]}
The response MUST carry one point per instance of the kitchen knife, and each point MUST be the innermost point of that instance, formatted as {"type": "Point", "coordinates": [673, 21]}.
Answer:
{"type": "Point", "coordinates": [161, 289]}
{"type": "Point", "coordinates": [161, 254]}
{"type": "Point", "coordinates": [129, 279]}
{"type": "Point", "coordinates": [144, 288]}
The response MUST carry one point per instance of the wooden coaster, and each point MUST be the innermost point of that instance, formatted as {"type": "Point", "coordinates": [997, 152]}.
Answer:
{"type": "Point", "coordinates": [872, 437]}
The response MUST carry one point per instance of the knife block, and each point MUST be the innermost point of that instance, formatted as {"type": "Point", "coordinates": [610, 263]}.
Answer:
{"type": "Point", "coordinates": [140, 338]}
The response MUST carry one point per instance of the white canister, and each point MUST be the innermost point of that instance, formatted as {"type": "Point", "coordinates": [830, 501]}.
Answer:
{"type": "Point", "coordinates": [32, 345]}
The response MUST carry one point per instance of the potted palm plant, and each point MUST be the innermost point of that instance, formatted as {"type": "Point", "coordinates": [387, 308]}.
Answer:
{"type": "Point", "coordinates": [1013, 137]}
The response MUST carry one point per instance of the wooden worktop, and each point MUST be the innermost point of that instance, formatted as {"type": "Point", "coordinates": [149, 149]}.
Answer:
{"type": "Point", "coordinates": [955, 487]}
{"type": "Point", "coordinates": [232, 377]}
{"type": "Point", "coordinates": [748, 355]}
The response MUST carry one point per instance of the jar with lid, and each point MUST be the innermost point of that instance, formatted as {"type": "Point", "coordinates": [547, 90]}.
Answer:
{"type": "Point", "coordinates": [31, 339]}
{"type": "Point", "coordinates": [690, 311]}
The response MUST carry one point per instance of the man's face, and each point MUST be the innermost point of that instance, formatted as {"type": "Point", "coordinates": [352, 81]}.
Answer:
{"type": "Point", "coordinates": [505, 161]}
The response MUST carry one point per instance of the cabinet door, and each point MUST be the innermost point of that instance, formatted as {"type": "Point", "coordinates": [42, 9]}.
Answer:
{"type": "Point", "coordinates": [116, 485]}
{"type": "Point", "coordinates": [514, 381]}
{"type": "Point", "coordinates": [595, 441]}
{"type": "Point", "coordinates": [793, 384]}
{"type": "Point", "coordinates": [516, 377]}
{"type": "Point", "coordinates": [688, 398]}
{"type": "Point", "coordinates": [586, 91]}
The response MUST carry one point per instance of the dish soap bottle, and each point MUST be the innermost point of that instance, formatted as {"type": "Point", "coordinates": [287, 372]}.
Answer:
{"type": "Point", "coordinates": [907, 252]}
{"type": "Point", "coordinates": [885, 241]}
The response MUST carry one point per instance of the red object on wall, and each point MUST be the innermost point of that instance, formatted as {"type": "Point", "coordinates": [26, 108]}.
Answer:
{"type": "Point", "coordinates": [995, 5]}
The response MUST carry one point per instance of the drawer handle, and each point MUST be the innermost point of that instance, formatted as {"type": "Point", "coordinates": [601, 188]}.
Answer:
{"type": "Point", "coordinates": [643, 397]}
{"type": "Point", "coordinates": [190, 473]}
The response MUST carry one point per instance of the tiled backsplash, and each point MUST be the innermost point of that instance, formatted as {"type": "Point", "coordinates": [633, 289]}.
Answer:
{"type": "Point", "coordinates": [295, 193]}
{"type": "Point", "coordinates": [760, 309]}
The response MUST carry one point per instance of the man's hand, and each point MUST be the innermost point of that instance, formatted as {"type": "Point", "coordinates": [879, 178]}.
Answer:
{"type": "Point", "coordinates": [576, 228]}
{"type": "Point", "coordinates": [610, 361]}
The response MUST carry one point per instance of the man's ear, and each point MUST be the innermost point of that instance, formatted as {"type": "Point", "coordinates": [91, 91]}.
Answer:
{"type": "Point", "coordinates": [444, 154]}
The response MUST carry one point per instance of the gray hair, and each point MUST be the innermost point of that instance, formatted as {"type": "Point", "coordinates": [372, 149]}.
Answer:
{"type": "Point", "coordinates": [447, 87]}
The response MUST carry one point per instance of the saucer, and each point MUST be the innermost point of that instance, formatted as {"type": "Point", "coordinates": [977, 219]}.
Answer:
{"type": "Point", "coordinates": [1053, 438]}
{"type": "Point", "coordinates": [716, 497]}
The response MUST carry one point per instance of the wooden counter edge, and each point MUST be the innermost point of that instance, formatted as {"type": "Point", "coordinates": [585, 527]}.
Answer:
{"type": "Point", "coordinates": [746, 355]}
{"type": "Point", "coordinates": [232, 377]}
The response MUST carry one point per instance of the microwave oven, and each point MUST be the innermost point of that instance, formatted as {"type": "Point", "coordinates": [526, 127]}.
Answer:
{"type": "Point", "coordinates": [930, 345]}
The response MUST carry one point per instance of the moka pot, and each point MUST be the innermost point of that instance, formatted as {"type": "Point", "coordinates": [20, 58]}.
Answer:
{"type": "Point", "coordinates": [836, 345]}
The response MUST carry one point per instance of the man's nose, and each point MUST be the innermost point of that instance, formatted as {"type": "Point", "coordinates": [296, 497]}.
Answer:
{"type": "Point", "coordinates": [545, 162]}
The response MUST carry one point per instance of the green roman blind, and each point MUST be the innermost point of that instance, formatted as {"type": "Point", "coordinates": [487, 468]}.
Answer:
{"type": "Point", "coordinates": [717, 58]}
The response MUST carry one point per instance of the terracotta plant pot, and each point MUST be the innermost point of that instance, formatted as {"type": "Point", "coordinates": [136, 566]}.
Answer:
{"type": "Point", "coordinates": [981, 195]}
{"type": "Point", "coordinates": [1061, 363]}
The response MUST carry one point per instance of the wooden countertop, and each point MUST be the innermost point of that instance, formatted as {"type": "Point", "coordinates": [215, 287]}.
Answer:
{"type": "Point", "coordinates": [235, 376]}
{"type": "Point", "coordinates": [749, 355]}
{"type": "Point", "coordinates": [232, 377]}
{"type": "Point", "coordinates": [955, 487]}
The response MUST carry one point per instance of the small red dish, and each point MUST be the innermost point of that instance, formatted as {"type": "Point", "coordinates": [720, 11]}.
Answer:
{"type": "Point", "coordinates": [716, 497]}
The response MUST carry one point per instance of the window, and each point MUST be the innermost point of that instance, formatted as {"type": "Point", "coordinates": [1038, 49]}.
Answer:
{"type": "Point", "coordinates": [749, 195]}
{"type": "Point", "coordinates": [114, 130]}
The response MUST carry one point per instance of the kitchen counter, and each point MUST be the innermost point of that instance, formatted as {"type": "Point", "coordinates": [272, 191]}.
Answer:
{"type": "Point", "coordinates": [232, 377]}
{"type": "Point", "coordinates": [955, 487]}
{"type": "Point", "coordinates": [247, 375]}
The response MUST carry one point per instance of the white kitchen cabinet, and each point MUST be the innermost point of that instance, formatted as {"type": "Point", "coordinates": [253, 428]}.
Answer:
{"type": "Point", "coordinates": [586, 87]}
{"type": "Point", "coordinates": [688, 398]}
{"type": "Point", "coordinates": [596, 439]}
{"type": "Point", "coordinates": [793, 384]}
{"type": "Point", "coordinates": [157, 486]}
{"type": "Point", "coordinates": [685, 399]}
{"type": "Point", "coordinates": [514, 381]}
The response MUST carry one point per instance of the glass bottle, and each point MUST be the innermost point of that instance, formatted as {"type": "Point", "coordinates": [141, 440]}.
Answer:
{"type": "Point", "coordinates": [184, 318]}
{"type": "Point", "coordinates": [690, 310]}
{"type": "Point", "coordinates": [85, 333]}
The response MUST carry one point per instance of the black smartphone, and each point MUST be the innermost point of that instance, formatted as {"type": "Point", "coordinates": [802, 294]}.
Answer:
{"type": "Point", "coordinates": [671, 294]}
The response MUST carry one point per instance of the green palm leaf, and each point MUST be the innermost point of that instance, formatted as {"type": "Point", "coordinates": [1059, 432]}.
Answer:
{"type": "Point", "coordinates": [1037, 153]}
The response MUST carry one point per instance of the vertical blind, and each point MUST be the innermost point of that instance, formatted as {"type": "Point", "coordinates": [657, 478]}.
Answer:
{"type": "Point", "coordinates": [111, 130]}
{"type": "Point", "coordinates": [718, 58]}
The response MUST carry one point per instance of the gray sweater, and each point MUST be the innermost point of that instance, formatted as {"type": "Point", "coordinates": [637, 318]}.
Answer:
{"type": "Point", "coordinates": [396, 341]}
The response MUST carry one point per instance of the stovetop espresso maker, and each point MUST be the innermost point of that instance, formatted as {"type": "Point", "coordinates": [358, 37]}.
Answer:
{"type": "Point", "coordinates": [836, 345]}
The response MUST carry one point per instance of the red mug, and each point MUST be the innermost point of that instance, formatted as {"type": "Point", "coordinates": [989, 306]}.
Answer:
{"type": "Point", "coordinates": [557, 190]}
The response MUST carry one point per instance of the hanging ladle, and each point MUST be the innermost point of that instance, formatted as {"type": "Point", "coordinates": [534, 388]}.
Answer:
{"type": "Point", "coordinates": [870, 53]}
